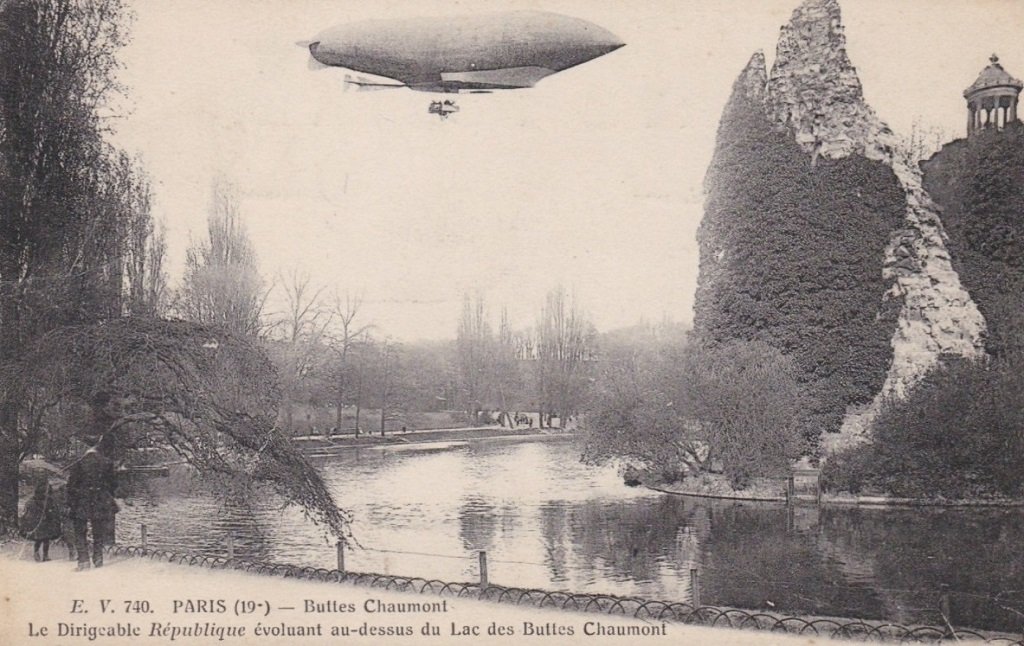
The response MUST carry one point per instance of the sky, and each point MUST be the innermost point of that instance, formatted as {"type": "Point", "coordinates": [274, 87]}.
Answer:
{"type": "Point", "coordinates": [592, 180]}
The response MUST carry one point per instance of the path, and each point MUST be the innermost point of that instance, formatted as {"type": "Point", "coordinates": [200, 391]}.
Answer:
{"type": "Point", "coordinates": [44, 595]}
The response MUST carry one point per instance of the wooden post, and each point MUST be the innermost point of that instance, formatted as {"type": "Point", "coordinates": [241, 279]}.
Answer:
{"type": "Point", "coordinates": [944, 607]}
{"type": "Point", "coordinates": [817, 491]}
{"type": "Point", "coordinates": [694, 588]}
{"type": "Point", "coordinates": [231, 547]}
{"type": "Point", "coordinates": [790, 489]}
{"type": "Point", "coordinates": [341, 556]}
{"type": "Point", "coordinates": [142, 530]}
{"type": "Point", "coordinates": [483, 570]}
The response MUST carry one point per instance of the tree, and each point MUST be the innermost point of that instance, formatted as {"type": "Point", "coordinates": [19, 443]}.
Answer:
{"type": "Point", "coordinates": [359, 362]}
{"type": "Point", "coordinates": [145, 244]}
{"type": "Point", "coordinates": [748, 407]}
{"type": "Point", "coordinates": [385, 372]}
{"type": "Point", "coordinates": [690, 409]}
{"type": "Point", "coordinates": [65, 194]}
{"type": "Point", "coordinates": [922, 142]}
{"type": "Point", "coordinates": [207, 394]}
{"type": "Point", "coordinates": [300, 331]}
{"type": "Point", "coordinates": [631, 413]}
{"type": "Point", "coordinates": [426, 375]}
{"type": "Point", "coordinates": [564, 340]}
{"type": "Point", "coordinates": [474, 355]}
{"type": "Point", "coordinates": [979, 183]}
{"type": "Point", "coordinates": [343, 341]}
{"type": "Point", "coordinates": [506, 379]}
{"type": "Point", "coordinates": [222, 285]}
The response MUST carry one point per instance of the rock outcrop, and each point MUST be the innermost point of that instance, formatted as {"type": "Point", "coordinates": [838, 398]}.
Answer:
{"type": "Point", "coordinates": [814, 90]}
{"type": "Point", "coordinates": [791, 254]}
{"type": "Point", "coordinates": [848, 198]}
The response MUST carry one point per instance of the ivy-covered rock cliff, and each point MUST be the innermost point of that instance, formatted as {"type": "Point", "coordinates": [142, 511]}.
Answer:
{"type": "Point", "coordinates": [817, 238]}
{"type": "Point", "coordinates": [979, 183]}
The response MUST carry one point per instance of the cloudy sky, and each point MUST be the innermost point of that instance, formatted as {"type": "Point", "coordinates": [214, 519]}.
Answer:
{"type": "Point", "coordinates": [591, 180]}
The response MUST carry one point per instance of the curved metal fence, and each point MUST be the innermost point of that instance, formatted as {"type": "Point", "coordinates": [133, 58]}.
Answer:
{"type": "Point", "coordinates": [678, 612]}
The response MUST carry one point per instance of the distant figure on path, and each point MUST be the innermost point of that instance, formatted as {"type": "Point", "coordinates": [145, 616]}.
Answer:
{"type": "Point", "coordinates": [40, 522]}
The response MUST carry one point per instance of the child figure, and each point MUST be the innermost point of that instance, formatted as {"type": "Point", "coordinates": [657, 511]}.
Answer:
{"type": "Point", "coordinates": [41, 520]}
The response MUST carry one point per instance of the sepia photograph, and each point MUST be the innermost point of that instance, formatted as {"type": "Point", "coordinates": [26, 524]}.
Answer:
{"type": "Point", "coordinates": [511, 322]}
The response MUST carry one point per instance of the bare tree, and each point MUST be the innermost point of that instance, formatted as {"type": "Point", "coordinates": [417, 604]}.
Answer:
{"type": "Point", "coordinates": [563, 343]}
{"type": "Point", "coordinates": [145, 281]}
{"type": "Point", "coordinates": [505, 378]}
{"type": "Point", "coordinates": [343, 341]}
{"type": "Point", "coordinates": [387, 368]}
{"type": "Point", "coordinates": [222, 285]}
{"type": "Point", "coordinates": [686, 409]}
{"type": "Point", "coordinates": [474, 353]}
{"type": "Point", "coordinates": [301, 334]}
{"type": "Point", "coordinates": [359, 359]}
{"type": "Point", "coordinates": [922, 142]}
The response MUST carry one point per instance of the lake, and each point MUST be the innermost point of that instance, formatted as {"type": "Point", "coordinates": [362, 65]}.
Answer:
{"type": "Point", "coordinates": [548, 521]}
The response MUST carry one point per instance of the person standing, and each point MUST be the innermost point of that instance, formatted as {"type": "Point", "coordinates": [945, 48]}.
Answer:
{"type": "Point", "coordinates": [41, 522]}
{"type": "Point", "coordinates": [90, 495]}
{"type": "Point", "coordinates": [107, 424]}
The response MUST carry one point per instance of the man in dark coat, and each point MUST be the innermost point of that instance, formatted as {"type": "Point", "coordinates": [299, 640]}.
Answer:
{"type": "Point", "coordinates": [90, 495]}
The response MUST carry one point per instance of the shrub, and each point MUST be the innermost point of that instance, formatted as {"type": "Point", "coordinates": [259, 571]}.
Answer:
{"type": "Point", "coordinates": [960, 434]}
{"type": "Point", "coordinates": [739, 405]}
{"type": "Point", "coordinates": [850, 470]}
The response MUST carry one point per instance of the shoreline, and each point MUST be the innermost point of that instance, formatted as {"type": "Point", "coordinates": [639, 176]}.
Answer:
{"type": "Point", "coordinates": [844, 500]}
{"type": "Point", "coordinates": [318, 446]}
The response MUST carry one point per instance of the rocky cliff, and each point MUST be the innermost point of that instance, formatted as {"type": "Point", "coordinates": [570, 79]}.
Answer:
{"type": "Point", "coordinates": [979, 183]}
{"type": "Point", "coordinates": [814, 90]}
{"type": "Point", "coordinates": [874, 237]}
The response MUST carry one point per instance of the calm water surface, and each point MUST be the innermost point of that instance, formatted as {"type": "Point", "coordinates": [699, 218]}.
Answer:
{"type": "Point", "coordinates": [547, 521]}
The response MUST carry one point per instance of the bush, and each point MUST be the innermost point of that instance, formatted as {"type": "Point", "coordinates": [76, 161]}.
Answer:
{"type": "Point", "coordinates": [850, 470]}
{"type": "Point", "coordinates": [681, 410]}
{"type": "Point", "coordinates": [960, 434]}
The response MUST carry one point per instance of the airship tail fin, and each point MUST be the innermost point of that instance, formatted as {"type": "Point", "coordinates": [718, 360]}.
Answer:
{"type": "Point", "coordinates": [363, 85]}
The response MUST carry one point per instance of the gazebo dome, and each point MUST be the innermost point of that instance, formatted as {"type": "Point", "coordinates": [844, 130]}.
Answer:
{"type": "Point", "coordinates": [994, 76]}
{"type": "Point", "coordinates": [992, 98]}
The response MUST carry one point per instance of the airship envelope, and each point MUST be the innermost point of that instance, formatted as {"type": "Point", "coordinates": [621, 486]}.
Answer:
{"type": "Point", "coordinates": [449, 54]}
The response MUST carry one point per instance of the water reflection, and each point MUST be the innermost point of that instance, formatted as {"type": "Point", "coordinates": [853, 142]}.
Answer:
{"type": "Point", "coordinates": [548, 521]}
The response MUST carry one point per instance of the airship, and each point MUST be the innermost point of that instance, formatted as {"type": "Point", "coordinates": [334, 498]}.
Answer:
{"type": "Point", "coordinates": [451, 54]}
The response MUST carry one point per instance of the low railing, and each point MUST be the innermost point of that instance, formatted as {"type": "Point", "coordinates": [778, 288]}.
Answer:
{"type": "Point", "coordinates": [678, 612]}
